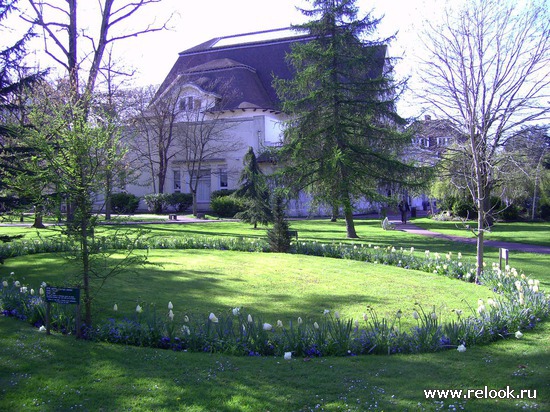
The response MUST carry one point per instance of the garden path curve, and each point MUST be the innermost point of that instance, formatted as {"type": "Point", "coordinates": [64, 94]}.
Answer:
{"type": "Point", "coordinates": [522, 247]}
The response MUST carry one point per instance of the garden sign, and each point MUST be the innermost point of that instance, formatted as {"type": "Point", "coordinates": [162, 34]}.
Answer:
{"type": "Point", "coordinates": [63, 296]}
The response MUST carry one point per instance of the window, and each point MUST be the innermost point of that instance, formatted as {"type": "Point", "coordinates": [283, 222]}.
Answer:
{"type": "Point", "coordinates": [177, 181]}
{"type": "Point", "coordinates": [223, 179]}
{"type": "Point", "coordinates": [190, 103]}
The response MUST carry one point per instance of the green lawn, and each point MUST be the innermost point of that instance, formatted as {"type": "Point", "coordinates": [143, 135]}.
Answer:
{"type": "Point", "coordinates": [60, 373]}
{"type": "Point", "coordinates": [271, 286]}
{"type": "Point", "coordinates": [57, 373]}
{"type": "Point", "coordinates": [519, 232]}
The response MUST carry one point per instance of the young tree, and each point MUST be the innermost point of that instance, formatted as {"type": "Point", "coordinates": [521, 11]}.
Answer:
{"type": "Point", "coordinates": [342, 140]}
{"type": "Point", "coordinates": [253, 189]}
{"type": "Point", "coordinates": [279, 236]}
{"type": "Point", "coordinates": [70, 140]}
{"type": "Point", "coordinates": [487, 70]}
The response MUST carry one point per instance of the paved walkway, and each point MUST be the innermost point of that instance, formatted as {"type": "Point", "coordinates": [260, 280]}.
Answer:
{"type": "Point", "coordinates": [522, 247]}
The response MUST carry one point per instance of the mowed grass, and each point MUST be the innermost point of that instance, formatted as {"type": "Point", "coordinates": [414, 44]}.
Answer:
{"type": "Point", "coordinates": [271, 286]}
{"type": "Point", "coordinates": [60, 373]}
{"type": "Point", "coordinates": [518, 232]}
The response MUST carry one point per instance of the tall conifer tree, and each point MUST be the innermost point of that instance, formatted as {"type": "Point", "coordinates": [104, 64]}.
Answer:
{"type": "Point", "coordinates": [342, 140]}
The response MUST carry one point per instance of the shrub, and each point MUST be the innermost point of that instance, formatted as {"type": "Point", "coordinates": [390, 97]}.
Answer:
{"type": "Point", "coordinates": [124, 203]}
{"type": "Point", "coordinates": [226, 206]}
{"type": "Point", "coordinates": [221, 193]}
{"type": "Point", "coordinates": [180, 201]}
{"type": "Point", "coordinates": [156, 202]}
{"type": "Point", "coordinates": [464, 209]}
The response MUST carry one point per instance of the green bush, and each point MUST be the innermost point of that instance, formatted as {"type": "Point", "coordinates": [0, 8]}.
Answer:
{"type": "Point", "coordinates": [221, 193]}
{"type": "Point", "coordinates": [180, 201]}
{"type": "Point", "coordinates": [156, 202]}
{"type": "Point", "coordinates": [464, 209]}
{"type": "Point", "coordinates": [124, 202]}
{"type": "Point", "coordinates": [226, 206]}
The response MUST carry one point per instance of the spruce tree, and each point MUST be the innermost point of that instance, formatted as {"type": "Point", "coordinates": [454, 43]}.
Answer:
{"type": "Point", "coordinates": [342, 140]}
{"type": "Point", "coordinates": [279, 237]}
{"type": "Point", "coordinates": [254, 192]}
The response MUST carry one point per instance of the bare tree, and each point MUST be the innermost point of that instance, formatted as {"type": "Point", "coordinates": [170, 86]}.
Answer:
{"type": "Point", "coordinates": [487, 70]}
{"type": "Point", "coordinates": [153, 133]}
{"type": "Point", "coordinates": [71, 46]}
{"type": "Point", "coordinates": [204, 135]}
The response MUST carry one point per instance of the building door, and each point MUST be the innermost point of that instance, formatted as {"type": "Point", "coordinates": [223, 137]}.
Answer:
{"type": "Point", "coordinates": [203, 188]}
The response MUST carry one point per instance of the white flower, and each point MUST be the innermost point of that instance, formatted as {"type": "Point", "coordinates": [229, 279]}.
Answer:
{"type": "Point", "coordinates": [32, 291]}
{"type": "Point", "coordinates": [434, 316]}
{"type": "Point", "coordinates": [365, 317]}
{"type": "Point", "coordinates": [481, 309]}
{"type": "Point", "coordinates": [236, 311]}
{"type": "Point", "coordinates": [213, 318]}
{"type": "Point", "coordinates": [315, 325]}
{"type": "Point", "coordinates": [412, 249]}
{"type": "Point", "coordinates": [42, 329]}
{"type": "Point", "coordinates": [16, 283]}
{"type": "Point", "coordinates": [356, 323]}
{"type": "Point", "coordinates": [5, 283]}
{"type": "Point", "coordinates": [43, 285]}
{"type": "Point", "coordinates": [12, 273]}
{"type": "Point", "coordinates": [171, 314]}
{"type": "Point", "coordinates": [267, 326]}
{"type": "Point", "coordinates": [170, 306]}
{"type": "Point", "coordinates": [519, 335]}
{"type": "Point", "coordinates": [250, 318]}
{"type": "Point", "coordinates": [279, 324]}
{"type": "Point", "coordinates": [299, 320]}
{"type": "Point", "coordinates": [185, 329]}
{"type": "Point", "coordinates": [337, 315]}
{"type": "Point", "coordinates": [288, 355]}
{"type": "Point", "coordinates": [461, 348]}
{"type": "Point", "coordinates": [326, 312]}
{"type": "Point", "coordinates": [186, 319]}
{"type": "Point", "coordinates": [139, 309]}
{"type": "Point", "coordinates": [115, 308]}
{"type": "Point", "coordinates": [458, 312]}
{"type": "Point", "coordinates": [416, 315]}
{"type": "Point", "coordinates": [459, 255]}
{"type": "Point", "coordinates": [41, 292]}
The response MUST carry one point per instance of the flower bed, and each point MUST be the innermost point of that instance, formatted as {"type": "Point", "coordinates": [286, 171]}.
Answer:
{"type": "Point", "coordinates": [517, 305]}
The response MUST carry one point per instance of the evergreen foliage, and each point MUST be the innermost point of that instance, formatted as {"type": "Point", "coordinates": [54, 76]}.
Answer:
{"type": "Point", "coordinates": [279, 237]}
{"type": "Point", "coordinates": [343, 139]}
{"type": "Point", "coordinates": [254, 192]}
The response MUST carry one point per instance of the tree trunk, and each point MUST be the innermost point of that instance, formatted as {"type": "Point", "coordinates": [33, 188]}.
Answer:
{"type": "Point", "coordinates": [194, 193]}
{"type": "Point", "coordinates": [350, 225]}
{"type": "Point", "coordinates": [335, 212]}
{"type": "Point", "coordinates": [38, 223]}
{"type": "Point", "coordinates": [108, 191]}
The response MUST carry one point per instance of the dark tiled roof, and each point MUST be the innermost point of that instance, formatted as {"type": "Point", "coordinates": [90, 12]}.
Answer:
{"type": "Point", "coordinates": [248, 67]}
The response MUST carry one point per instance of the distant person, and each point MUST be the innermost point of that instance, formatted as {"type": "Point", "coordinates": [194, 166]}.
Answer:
{"type": "Point", "coordinates": [404, 208]}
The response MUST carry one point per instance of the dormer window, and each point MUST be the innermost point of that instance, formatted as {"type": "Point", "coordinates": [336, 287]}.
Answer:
{"type": "Point", "coordinates": [188, 103]}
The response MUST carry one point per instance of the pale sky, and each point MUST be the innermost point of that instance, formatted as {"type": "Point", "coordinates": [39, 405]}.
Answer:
{"type": "Point", "coordinates": [197, 21]}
